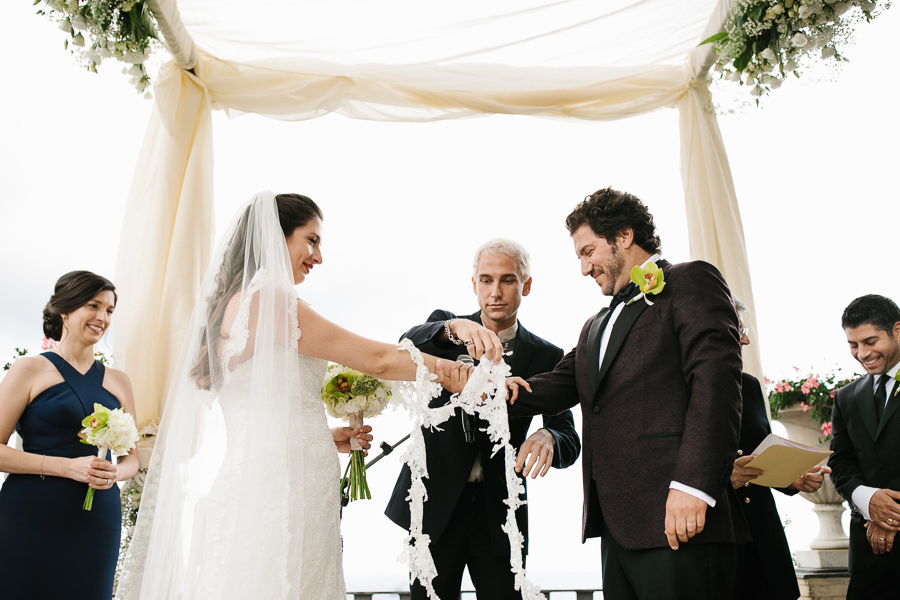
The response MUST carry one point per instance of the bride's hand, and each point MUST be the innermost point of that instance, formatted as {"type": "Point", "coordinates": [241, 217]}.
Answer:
{"type": "Point", "coordinates": [453, 375]}
{"type": "Point", "coordinates": [342, 436]}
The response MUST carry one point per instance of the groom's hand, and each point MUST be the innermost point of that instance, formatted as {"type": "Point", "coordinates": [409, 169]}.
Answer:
{"type": "Point", "coordinates": [513, 384]}
{"type": "Point", "coordinates": [538, 450]}
{"type": "Point", "coordinates": [685, 517]}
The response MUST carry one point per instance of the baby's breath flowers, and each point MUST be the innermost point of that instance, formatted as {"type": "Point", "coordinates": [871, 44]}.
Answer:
{"type": "Point", "coordinates": [99, 29]}
{"type": "Point", "coordinates": [769, 39]}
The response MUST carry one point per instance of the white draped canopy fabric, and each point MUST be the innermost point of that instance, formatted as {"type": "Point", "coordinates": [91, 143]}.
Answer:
{"type": "Point", "coordinates": [400, 60]}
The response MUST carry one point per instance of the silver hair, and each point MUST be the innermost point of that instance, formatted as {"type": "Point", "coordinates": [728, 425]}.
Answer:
{"type": "Point", "coordinates": [509, 247]}
{"type": "Point", "coordinates": [739, 306]}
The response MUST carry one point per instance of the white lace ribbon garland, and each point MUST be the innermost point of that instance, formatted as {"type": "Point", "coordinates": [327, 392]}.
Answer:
{"type": "Point", "coordinates": [487, 380]}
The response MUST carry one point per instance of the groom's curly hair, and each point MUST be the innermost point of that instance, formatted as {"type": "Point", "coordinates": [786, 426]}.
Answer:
{"type": "Point", "coordinates": [609, 212]}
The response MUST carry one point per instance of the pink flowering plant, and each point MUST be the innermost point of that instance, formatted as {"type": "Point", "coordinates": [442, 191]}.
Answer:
{"type": "Point", "coordinates": [813, 393]}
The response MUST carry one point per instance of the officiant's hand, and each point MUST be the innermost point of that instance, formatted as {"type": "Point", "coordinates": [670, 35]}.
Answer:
{"type": "Point", "coordinates": [342, 436]}
{"type": "Point", "coordinates": [812, 480]}
{"type": "Point", "coordinates": [538, 450]}
{"type": "Point", "coordinates": [480, 341]}
{"type": "Point", "coordinates": [453, 375]}
{"type": "Point", "coordinates": [742, 475]}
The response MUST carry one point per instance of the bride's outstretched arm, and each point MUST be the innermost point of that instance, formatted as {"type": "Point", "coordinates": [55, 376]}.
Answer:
{"type": "Point", "coordinates": [323, 339]}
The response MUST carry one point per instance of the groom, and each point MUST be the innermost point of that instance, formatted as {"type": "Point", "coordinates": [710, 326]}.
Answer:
{"type": "Point", "coordinates": [659, 388]}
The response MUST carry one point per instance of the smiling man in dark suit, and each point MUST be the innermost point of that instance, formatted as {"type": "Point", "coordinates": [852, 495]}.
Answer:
{"type": "Point", "coordinates": [466, 485]}
{"type": "Point", "coordinates": [866, 444]}
{"type": "Point", "coordinates": [660, 394]}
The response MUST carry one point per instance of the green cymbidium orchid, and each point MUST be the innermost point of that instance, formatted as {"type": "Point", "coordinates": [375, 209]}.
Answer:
{"type": "Point", "coordinates": [339, 385]}
{"type": "Point", "coordinates": [98, 419]}
{"type": "Point", "coordinates": [649, 280]}
{"type": "Point", "coordinates": [897, 385]}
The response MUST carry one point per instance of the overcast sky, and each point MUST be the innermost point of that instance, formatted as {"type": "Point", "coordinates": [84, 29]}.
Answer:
{"type": "Point", "coordinates": [406, 205]}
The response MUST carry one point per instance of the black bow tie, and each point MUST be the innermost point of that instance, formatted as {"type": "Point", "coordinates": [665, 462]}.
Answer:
{"type": "Point", "coordinates": [623, 296]}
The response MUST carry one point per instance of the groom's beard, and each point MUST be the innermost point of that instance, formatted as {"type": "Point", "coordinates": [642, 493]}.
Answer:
{"type": "Point", "coordinates": [612, 270]}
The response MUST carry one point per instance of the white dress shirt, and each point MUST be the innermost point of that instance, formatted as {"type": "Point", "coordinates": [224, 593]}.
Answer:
{"type": "Point", "coordinates": [862, 495]}
{"type": "Point", "coordinates": [604, 344]}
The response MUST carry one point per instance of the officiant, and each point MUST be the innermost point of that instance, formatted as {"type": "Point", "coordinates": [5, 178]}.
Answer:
{"type": "Point", "coordinates": [466, 485]}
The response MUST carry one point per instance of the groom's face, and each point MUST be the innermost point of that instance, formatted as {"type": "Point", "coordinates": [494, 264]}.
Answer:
{"type": "Point", "coordinates": [601, 261]}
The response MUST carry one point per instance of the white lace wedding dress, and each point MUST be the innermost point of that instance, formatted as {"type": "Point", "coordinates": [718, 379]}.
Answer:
{"type": "Point", "coordinates": [243, 549]}
{"type": "Point", "coordinates": [260, 517]}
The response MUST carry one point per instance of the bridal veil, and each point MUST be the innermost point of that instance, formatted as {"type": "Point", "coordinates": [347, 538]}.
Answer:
{"type": "Point", "coordinates": [238, 497]}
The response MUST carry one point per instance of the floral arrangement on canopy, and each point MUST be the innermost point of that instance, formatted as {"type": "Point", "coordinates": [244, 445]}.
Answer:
{"type": "Point", "coordinates": [813, 393]}
{"type": "Point", "coordinates": [99, 29]}
{"type": "Point", "coordinates": [768, 39]}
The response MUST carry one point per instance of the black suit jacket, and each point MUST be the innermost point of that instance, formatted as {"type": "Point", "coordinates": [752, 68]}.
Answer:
{"type": "Point", "coordinates": [866, 452]}
{"type": "Point", "coordinates": [769, 544]}
{"type": "Point", "coordinates": [450, 458]}
{"type": "Point", "coordinates": [664, 406]}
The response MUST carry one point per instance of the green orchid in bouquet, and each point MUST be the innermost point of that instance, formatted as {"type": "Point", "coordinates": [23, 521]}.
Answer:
{"type": "Point", "coordinates": [352, 395]}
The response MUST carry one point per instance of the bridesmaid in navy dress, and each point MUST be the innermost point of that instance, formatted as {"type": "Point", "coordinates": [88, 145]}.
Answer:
{"type": "Point", "coordinates": [49, 547]}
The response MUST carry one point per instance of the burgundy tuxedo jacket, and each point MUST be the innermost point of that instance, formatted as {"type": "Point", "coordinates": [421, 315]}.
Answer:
{"type": "Point", "coordinates": [664, 406]}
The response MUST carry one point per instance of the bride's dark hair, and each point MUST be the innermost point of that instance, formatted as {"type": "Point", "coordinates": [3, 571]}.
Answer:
{"type": "Point", "coordinates": [294, 210]}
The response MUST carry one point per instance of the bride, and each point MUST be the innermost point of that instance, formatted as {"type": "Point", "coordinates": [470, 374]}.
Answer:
{"type": "Point", "coordinates": [266, 525]}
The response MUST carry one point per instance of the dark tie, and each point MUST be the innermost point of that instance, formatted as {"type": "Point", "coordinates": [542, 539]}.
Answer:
{"type": "Point", "coordinates": [880, 396]}
{"type": "Point", "coordinates": [623, 296]}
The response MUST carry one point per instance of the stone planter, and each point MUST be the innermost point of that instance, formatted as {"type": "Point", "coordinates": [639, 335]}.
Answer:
{"type": "Point", "coordinates": [829, 506]}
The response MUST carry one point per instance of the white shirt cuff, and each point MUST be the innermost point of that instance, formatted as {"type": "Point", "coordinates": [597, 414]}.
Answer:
{"type": "Point", "coordinates": [861, 497]}
{"type": "Point", "coordinates": [693, 492]}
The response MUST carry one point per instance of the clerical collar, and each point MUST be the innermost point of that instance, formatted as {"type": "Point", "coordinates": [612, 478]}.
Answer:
{"type": "Point", "coordinates": [507, 334]}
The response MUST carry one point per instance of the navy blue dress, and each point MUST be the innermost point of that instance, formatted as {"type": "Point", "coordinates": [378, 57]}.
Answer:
{"type": "Point", "coordinates": [51, 549]}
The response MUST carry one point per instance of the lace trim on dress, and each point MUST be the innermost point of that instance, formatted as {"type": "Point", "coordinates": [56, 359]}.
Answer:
{"type": "Point", "coordinates": [296, 334]}
{"type": "Point", "coordinates": [240, 329]}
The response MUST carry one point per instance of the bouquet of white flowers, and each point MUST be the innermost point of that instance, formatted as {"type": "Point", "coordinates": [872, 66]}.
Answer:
{"type": "Point", "coordinates": [351, 395]}
{"type": "Point", "coordinates": [111, 429]}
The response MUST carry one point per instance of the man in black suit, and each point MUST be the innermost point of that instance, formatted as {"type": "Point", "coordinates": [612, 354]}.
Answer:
{"type": "Point", "coordinates": [660, 394]}
{"type": "Point", "coordinates": [466, 485]}
{"type": "Point", "coordinates": [866, 445]}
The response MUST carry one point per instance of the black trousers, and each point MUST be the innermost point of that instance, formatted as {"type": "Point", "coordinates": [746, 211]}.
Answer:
{"type": "Point", "coordinates": [466, 543]}
{"type": "Point", "coordinates": [881, 581]}
{"type": "Point", "coordinates": [693, 572]}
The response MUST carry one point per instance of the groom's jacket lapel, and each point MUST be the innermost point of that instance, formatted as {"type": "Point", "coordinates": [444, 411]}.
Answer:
{"type": "Point", "coordinates": [618, 334]}
{"type": "Point", "coordinates": [593, 346]}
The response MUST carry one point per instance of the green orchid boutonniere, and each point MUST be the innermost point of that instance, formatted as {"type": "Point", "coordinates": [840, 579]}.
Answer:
{"type": "Point", "coordinates": [649, 280]}
{"type": "Point", "coordinates": [897, 385]}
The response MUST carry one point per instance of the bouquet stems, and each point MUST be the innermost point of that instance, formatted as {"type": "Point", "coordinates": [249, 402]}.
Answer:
{"type": "Point", "coordinates": [355, 473]}
{"type": "Point", "coordinates": [89, 499]}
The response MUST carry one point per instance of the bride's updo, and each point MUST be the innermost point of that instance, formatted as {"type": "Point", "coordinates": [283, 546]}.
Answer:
{"type": "Point", "coordinates": [73, 290]}
{"type": "Point", "coordinates": [294, 210]}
